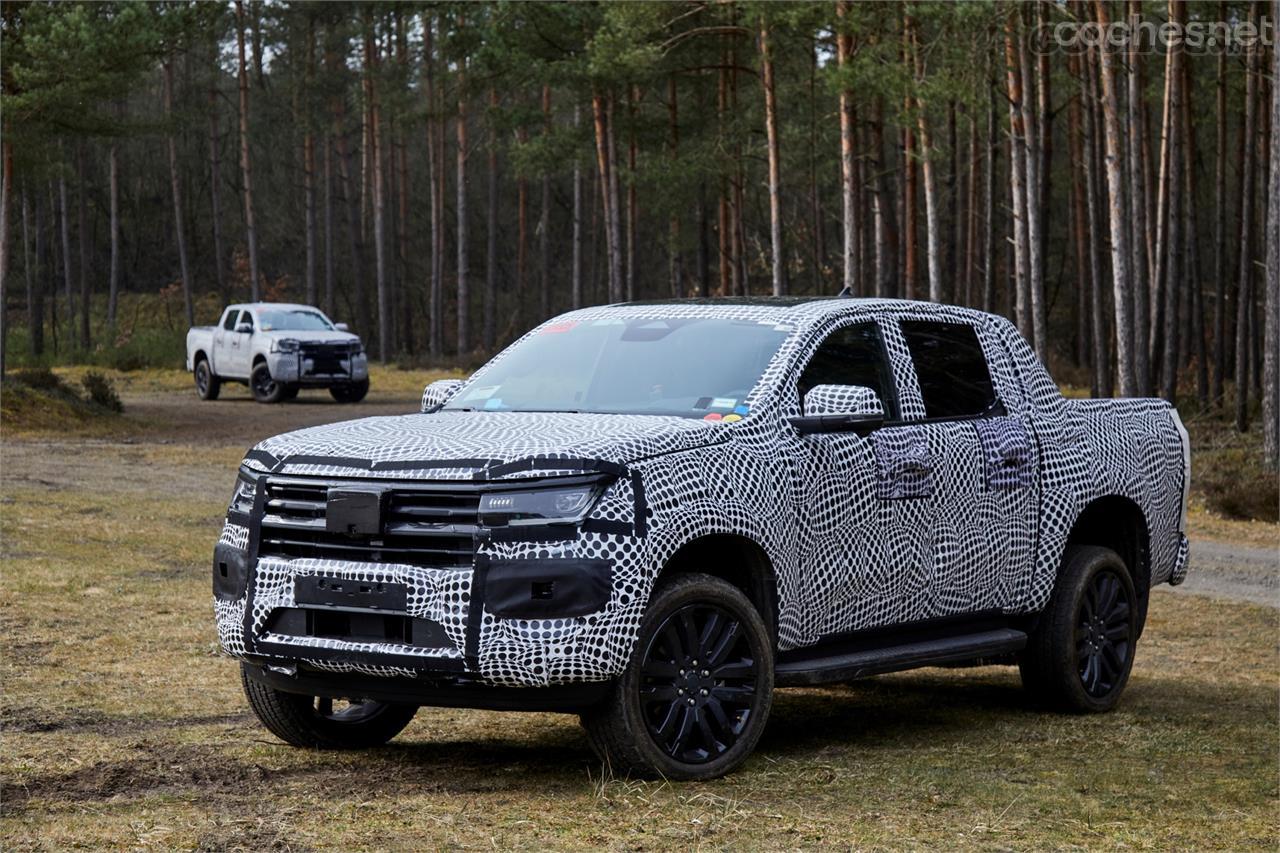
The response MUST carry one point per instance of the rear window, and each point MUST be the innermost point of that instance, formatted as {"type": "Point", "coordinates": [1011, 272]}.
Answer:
{"type": "Point", "coordinates": [952, 371]}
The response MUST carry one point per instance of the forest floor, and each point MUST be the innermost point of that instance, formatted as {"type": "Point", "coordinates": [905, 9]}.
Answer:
{"type": "Point", "coordinates": [123, 726]}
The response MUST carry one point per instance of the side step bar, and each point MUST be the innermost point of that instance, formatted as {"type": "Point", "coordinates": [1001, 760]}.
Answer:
{"type": "Point", "coordinates": [829, 666]}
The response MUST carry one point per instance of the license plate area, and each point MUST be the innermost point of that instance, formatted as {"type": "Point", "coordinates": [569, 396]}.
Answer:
{"type": "Point", "coordinates": [369, 626]}
{"type": "Point", "coordinates": [326, 591]}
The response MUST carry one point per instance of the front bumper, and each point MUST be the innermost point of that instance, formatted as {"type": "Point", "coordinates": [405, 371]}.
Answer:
{"type": "Point", "coordinates": [305, 367]}
{"type": "Point", "coordinates": [533, 608]}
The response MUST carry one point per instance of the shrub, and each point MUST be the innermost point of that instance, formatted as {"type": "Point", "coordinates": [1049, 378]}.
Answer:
{"type": "Point", "coordinates": [42, 379]}
{"type": "Point", "coordinates": [101, 391]}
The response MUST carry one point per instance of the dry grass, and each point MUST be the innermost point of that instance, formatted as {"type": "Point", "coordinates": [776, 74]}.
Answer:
{"type": "Point", "coordinates": [123, 726]}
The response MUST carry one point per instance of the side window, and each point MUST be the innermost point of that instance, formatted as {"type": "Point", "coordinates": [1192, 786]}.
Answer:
{"type": "Point", "coordinates": [952, 371]}
{"type": "Point", "coordinates": [229, 322]}
{"type": "Point", "coordinates": [852, 355]}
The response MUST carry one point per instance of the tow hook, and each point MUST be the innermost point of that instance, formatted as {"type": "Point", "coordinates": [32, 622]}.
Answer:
{"type": "Point", "coordinates": [283, 669]}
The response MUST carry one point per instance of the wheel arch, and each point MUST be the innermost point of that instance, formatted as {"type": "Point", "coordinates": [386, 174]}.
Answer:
{"type": "Point", "coordinates": [199, 356]}
{"type": "Point", "coordinates": [1118, 523]}
{"type": "Point", "coordinates": [736, 559]}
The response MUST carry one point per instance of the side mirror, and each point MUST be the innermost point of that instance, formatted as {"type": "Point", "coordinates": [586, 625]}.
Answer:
{"type": "Point", "coordinates": [840, 408]}
{"type": "Point", "coordinates": [342, 327]}
{"type": "Point", "coordinates": [435, 395]}
{"type": "Point", "coordinates": [244, 328]}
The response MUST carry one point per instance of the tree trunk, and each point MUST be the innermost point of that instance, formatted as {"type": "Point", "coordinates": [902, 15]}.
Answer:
{"type": "Point", "coordinates": [1090, 155]}
{"type": "Point", "coordinates": [1173, 273]}
{"type": "Point", "coordinates": [1034, 182]}
{"type": "Point", "coordinates": [1117, 209]}
{"type": "Point", "coordinates": [215, 188]}
{"type": "Point", "coordinates": [82, 242]}
{"type": "Point", "coordinates": [113, 284]}
{"type": "Point", "coordinates": [435, 179]}
{"type": "Point", "coordinates": [65, 216]}
{"type": "Point", "coordinates": [544, 215]}
{"type": "Point", "coordinates": [246, 168]}
{"type": "Point", "coordinates": [1081, 225]}
{"type": "Point", "coordinates": [175, 184]}
{"type": "Point", "coordinates": [6, 191]}
{"type": "Point", "coordinates": [1193, 288]}
{"type": "Point", "coordinates": [988, 203]}
{"type": "Point", "coordinates": [371, 62]}
{"type": "Point", "coordinates": [633, 208]}
{"type": "Point", "coordinates": [463, 342]}
{"type": "Point", "coordinates": [1160, 256]}
{"type": "Point", "coordinates": [848, 202]}
{"type": "Point", "coordinates": [575, 284]}
{"type": "Point", "coordinates": [491, 232]}
{"type": "Point", "coordinates": [882, 210]}
{"type": "Point", "coordinates": [1271, 322]}
{"type": "Point", "coordinates": [600, 116]}
{"type": "Point", "coordinates": [723, 222]}
{"type": "Point", "coordinates": [309, 172]}
{"type": "Point", "coordinates": [522, 226]}
{"type": "Point", "coordinates": [675, 274]}
{"type": "Point", "coordinates": [1220, 237]}
{"type": "Point", "coordinates": [31, 267]}
{"type": "Point", "coordinates": [971, 209]}
{"type": "Point", "coordinates": [1244, 291]}
{"type": "Point", "coordinates": [909, 229]}
{"type": "Point", "coordinates": [933, 237]}
{"type": "Point", "coordinates": [1017, 178]}
{"type": "Point", "coordinates": [330, 270]}
{"type": "Point", "coordinates": [775, 178]}
{"type": "Point", "coordinates": [1138, 215]}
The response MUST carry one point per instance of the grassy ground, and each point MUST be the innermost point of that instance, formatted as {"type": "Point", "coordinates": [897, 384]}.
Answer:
{"type": "Point", "coordinates": [123, 726]}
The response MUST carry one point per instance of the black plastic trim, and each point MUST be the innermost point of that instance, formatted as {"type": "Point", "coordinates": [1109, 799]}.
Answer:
{"type": "Point", "coordinates": [547, 589]}
{"type": "Point", "coordinates": [440, 690]}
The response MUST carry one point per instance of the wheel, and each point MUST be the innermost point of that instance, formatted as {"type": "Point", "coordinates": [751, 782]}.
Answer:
{"type": "Point", "coordinates": [324, 723]}
{"type": "Point", "coordinates": [1079, 656]}
{"type": "Point", "coordinates": [694, 699]}
{"type": "Point", "coordinates": [290, 392]}
{"type": "Point", "coordinates": [264, 388]}
{"type": "Point", "coordinates": [207, 385]}
{"type": "Point", "coordinates": [352, 393]}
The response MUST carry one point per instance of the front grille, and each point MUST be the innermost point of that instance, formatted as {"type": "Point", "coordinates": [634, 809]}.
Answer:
{"type": "Point", "coordinates": [327, 359]}
{"type": "Point", "coordinates": [423, 524]}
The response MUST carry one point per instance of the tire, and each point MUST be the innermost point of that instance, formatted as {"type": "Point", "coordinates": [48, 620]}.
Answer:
{"type": "Point", "coordinates": [290, 392]}
{"type": "Point", "coordinates": [207, 384]}
{"type": "Point", "coordinates": [1079, 655]}
{"type": "Point", "coordinates": [264, 388]}
{"type": "Point", "coordinates": [319, 723]}
{"type": "Point", "coordinates": [353, 393]}
{"type": "Point", "coordinates": [645, 726]}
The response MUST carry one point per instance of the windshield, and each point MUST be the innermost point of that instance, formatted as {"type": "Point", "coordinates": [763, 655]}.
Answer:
{"type": "Point", "coordinates": [692, 367]}
{"type": "Point", "coordinates": [293, 320]}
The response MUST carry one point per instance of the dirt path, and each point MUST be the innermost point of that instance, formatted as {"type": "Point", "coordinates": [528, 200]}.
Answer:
{"type": "Point", "coordinates": [1234, 572]}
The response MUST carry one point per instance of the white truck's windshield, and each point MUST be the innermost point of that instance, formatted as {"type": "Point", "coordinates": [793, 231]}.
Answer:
{"type": "Point", "coordinates": [292, 320]}
{"type": "Point", "coordinates": [691, 367]}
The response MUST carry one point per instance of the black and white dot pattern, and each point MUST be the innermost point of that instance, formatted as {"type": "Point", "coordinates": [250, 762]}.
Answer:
{"type": "Point", "coordinates": [918, 520]}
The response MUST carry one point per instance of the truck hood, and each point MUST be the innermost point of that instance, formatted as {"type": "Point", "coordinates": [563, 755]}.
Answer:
{"type": "Point", "coordinates": [311, 337]}
{"type": "Point", "coordinates": [491, 445]}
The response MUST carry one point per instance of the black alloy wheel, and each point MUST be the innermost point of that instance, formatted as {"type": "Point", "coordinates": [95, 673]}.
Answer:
{"type": "Point", "coordinates": [1103, 634]}
{"type": "Point", "coordinates": [207, 385]}
{"type": "Point", "coordinates": [695, 696]}
{"type": "Point", "coordinates": [1079, 655]}
{"type": "Point", "coordinates": [265, 388]}
{"type": "Point", "coordinates": [697, 686]}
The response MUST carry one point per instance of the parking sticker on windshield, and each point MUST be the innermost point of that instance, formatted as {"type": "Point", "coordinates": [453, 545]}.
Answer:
{"type": "Point", "coordinates": [724, 402]}
{"type": "Point", "coordinates": [558, 328]}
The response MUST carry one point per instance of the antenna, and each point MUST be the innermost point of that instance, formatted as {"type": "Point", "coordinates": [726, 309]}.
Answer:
{"type": "Point", "coordinates": [845, 293]}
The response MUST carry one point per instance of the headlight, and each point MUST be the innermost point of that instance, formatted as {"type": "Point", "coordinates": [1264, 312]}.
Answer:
{"type": "Point", "coordinates": [242, 497]}
{"type": "Point", "coordinates": [566, 505]}
{"type": "Point", "coordinates": [357, 348]}
{"type": "Point", "coordinates": [284, 345]}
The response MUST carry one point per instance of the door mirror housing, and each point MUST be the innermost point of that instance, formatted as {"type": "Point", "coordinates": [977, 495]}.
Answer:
{"type": "Point", "coordinates": [244, 328]}
{"type": "Point", "coordinates": [342, 327]}
{"type": "Point", "coordinates": [435, 395]}
{"type": "Point", "coordinates": [840, 408]}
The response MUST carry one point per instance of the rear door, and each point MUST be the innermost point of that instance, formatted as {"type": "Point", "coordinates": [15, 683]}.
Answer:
{"type": "Point", "coordinates": [978, 476]}
{"type": "Point", "coordinates": [224, 337]}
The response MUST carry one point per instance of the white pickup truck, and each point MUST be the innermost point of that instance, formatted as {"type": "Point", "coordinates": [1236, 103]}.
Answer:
{"type": "Point", "coordinates": [277, 349]}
